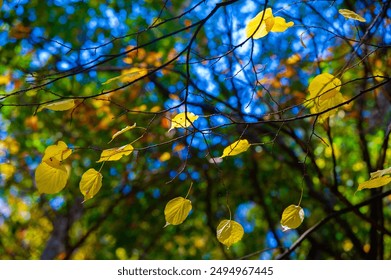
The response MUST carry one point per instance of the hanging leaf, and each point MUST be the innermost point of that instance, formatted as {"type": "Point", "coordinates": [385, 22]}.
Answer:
{"type": "Point", "coordinates": [380, 173]}
{"type": "Point", "coordinates": [229, 232]}
{"type": "Point", "coordinates": [177, 210]}
{"type": "Point", "coordinates": [264, 22]}
{"type": "Point", "coordinates": [122, 131]}
{"type": "Point", "coordinates": [62, 105]}
{"type": "Point", "coordinates": [51, 179]}
{"type": "Point", "coordinates": [183, 120]}
{"type": "Point", "coordinates": [90, 183]}
{"type": "Point", "coordinates": [129, 75]}
{"type": "Point", "coordinates": [60, 152]}
{"type": "Point", "coordinates": [236, 148]}
{"type": "Point", "coordinates": [375, 183]}
{"type": "Point", "coordinates": [348, 14]}
{"type": "Point", "coordinates": [292, 217]}
{"type": "Point", "coordinates": [115, 153]}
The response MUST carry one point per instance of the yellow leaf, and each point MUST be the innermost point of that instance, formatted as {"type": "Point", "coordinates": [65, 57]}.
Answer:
{"type": "Point", "coordinates": [128, 75]}
{"type": "Point", "coordinates": [177, 210]}
{"type": "Point", "coordinates": [62, 105]}
{"type": "Point", "coordinates": [183, 120]}
{"type": "Point", "coordinates": [7, 170]}
{"type": "Point", "coordinates": [292, 217]}
{"type": "Point", "coordinates": [51, 179]}
{"type": "Point", "coordinates": [236, 148]}
{"type": "Point", "coordinates": [90, 183]}
{"type": "Point", "coordinates": [375, 183]}
{"type": "Point", "coordinates": [380, 173]}
{"type": "Point", "coordinates": [327, 104]}
{"type": "Point", "coordinates": [60, 152]}
{"type": "Point", "coordinates": [229, 232]}
{"type": "Point", "coordinates": [264, 27]}
{"type": "Point", "coordinates": [280, 25]}
{"type": "Point", "coordinates": [324, 86]}
{"type": "Point", "coordinates": [5, 79]}
{"type": "Point", "coordinates": [122, 131]}
{"type": "Point", "coordinates": [116, 153]}
{"type": "Point", "coordinates": [348, 14]}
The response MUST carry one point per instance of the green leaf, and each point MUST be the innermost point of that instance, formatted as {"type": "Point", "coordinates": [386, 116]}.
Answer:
{"type": "Point", "coordinates": [292, 217]}
{"type": "Point", "coordinates": [90, 183]}
{"type": "Point", "coordinates": [62, 105]}
{"type": "Point", "coordinates": [229, 232]}
{"type": "Point", "coordinates": [177, 210]}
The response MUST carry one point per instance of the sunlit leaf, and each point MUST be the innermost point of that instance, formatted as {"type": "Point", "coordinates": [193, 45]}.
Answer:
{"type": "Point", "coordinates": [264, 22]}
{"type": "Point", "coordinates": [375, 183]}
{"type": "Point", "coordinates": [62, 105]}
{"type": "Point", "coordinates": [292, 217]}
{"type": "Point", "coordinates": [264, 27]}
{"type": "Point", "coordinates": [324, 86]}
{"type": "Point", "coordinates": [229, 232]}
{"type": "Point", "coordinates": [322, 106]}
{"type": "Point", "coordinates": [128, 75]}
{"type": "Point", "coordinates": [90, 183]}
{"type": "Point", "coordinates": [177, 210]}
{"type": "Point", "coordinates": [60, 152]}
{"type": "Point", "coordinates": [236, 148]}
{"type": "Point", "coordinates": [51, 179]}
{"type": "Point", "coordinates": [122, 131]}
{"type": "Point", "coordinates": [280, 25]}
{"type": "Point", "coordinates": [380, 173]}
{"type": "Point", "coordinates": [183, 120]}
{"type": "Point", "coordinates": [348, 14]}
{"type": "Point", "coordinates": [114, 154]}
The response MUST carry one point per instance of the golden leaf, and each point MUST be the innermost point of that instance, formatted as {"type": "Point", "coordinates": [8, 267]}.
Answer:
{"type": "Point", "coordinates": [90, 183]}
{"type": "Point", "coordinates": [177, 210]}
{"type": "Point", "coordinates": [375, 183]}
{"type": "Point", "coordinates": [62, 105]}
{"type": "Point", "coordinates": [348, 14]}
{"type": "Point", "coordinates": [292, 217]}
{"type": "Point", "coordinates": [236, 148]}
{"type": "Point", "coordinates": [122, 131]}
{"type": "Point", "coordinates": [60, 152]}
{"type": "Point", "coordinates": [114, 154]}
{"type": "Point", "coordinates": [51, 179]}
{"type": "Point", "coordinates": [229, 232]}
{"type": "Point", "coordinates": [183, 120]}
{"type": "Point", "coordinates": [129, 75]}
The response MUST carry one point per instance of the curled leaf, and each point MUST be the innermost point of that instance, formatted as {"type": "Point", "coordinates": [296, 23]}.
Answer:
{"type": "Point", "coordinates": [229, 232]}
{"type": "Point", "coordinates": [90, 183]}
{"type": "Point", "coordinates": [380, 173]}
{"type": "Point", "coordinates": [114, 154]}
{"type": "Point", "coordinates": [51, 179]}
{"type": "Point", "coordinates": [62, 105]}
{"type": "Point", "coordinates": [60, 152]}
{"type": "Point", "coordinates": [177, 210]}
{"type": "Point", "coordinates": [348, 14]}
{"type": "Point", "coordinates": [122, 131]}
{"type": "Point", "coordinates": [375, 183]}
{"type": "Point", "coordinates": [236, 148]}
{"type": "Point", "coordinates": [292, 217]}
{"type": "Point", "coordinates": [183, 120]}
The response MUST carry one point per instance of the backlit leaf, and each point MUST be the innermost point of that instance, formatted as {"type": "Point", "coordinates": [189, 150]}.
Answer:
{"type": "Point", "coordinates": [114, 154]}
{"type": "Point", "coordinates": [375, 183]}
{"type": "Point", "coordinates": [177, 210]}
{"type": "Point", "coordinates": [60, 152]}
{"type": "Point", "coordinates": [122, 131]}
{"type": "Point", "coordinates": [90, 183]}
{"type": "Point", "coordinates": [380, 173]}
{"type": "Point", "coordinates": [292, 217]}
{"type": "Point", "coordinates": [348, 14]}
{"type": "Point", "coordinates": [62, 105]}
{"type": "Point", "coordinates": [51, 179]}
{"type": "Point", "coordinates": [264, 27]}
{"type": "Point", "coordinates": [229, 232]}
{"type": "Point", "coordinates": [183, 120]}
{"type": "Point", "coordinates": [324, 86]}
{"type": "Point", "coordinates": [128, 75]}
{"type": "Point", "coordinates": [280, 25]}
{"type": "Point", "coordinates": [236, 148]}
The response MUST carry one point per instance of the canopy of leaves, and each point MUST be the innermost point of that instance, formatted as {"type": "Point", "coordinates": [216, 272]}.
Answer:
{"type": "Point", "coordinates": [260, 105]}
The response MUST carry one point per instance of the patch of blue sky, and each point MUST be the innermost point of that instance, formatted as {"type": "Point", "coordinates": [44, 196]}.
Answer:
{"type": "Point", "coordinates": [156, 193]}
{"type": "Point", "coordinates": [218, 120]}
{"type": "Point", "coordinates": [242, 216]}
{"type": "Point", "coordinates": [248, 7]}
{"type": "Point", "coordinates": [5, 210]}
{"type": "Point", "coordinates": [195, 175]}
{"type": "Point", "coordinates": [126, 189]}
{"type": "Point", "coordinates": [57, 202]}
